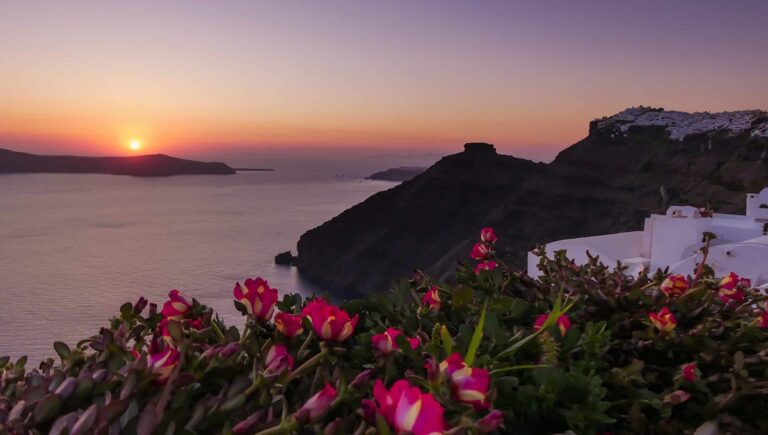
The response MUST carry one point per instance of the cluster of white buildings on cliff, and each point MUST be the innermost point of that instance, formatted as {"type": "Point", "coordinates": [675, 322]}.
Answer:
{"type": "Point", "coordinates": [675, 240]}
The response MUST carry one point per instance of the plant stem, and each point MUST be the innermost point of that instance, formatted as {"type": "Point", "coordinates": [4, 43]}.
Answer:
{"type": "Point", "coordinates": [308, 365]}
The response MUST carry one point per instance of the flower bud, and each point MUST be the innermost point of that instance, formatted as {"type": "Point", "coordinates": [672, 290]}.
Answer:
{"type": "Point", "coordinates": [361, 379]}
{"type": "Point", "coordinates": [317, 405]}
{"type": "Point", "coordinates": [490, 422]}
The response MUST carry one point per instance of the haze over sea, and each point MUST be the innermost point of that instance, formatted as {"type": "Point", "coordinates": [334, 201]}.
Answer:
{"type": "Point", "coordinates": [76, 247]}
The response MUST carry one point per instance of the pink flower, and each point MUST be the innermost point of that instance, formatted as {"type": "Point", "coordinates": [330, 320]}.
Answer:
{"type": "Point", "coordinates": [487, 235]}
{"type": "Point", "coordinates": [278, 360]}
{"type": "Point", "coordinates": [731, 288]}
{"type": "Point", "coordinates": [731, 281]}
{"type": "Point", "coordinates": [318, 404]}
{"type": "Point", "coordinates": [469, 385]}
{"type": "Point", "coordinates": [485, 265]}
{"type": "Point", "coordinates": [563, 323]}
{"type": "Point", "coordinates": [480, 252]}
{"type": "Point", "coordinates": [664, 320]}
{"type": "Point", "coordinates": [689, 372]}
{"type": "Point", "coordinates": [162, 363]}
{"type": "Point", "coordinates": [257, 297]}
{"type": "Point", "coordinates": [407, 409]}
{"type": "Point", "coordinates": [164, 332]}
{"type": "Point", "coordinates": [490, 422]}
{"type": "Point", "coordinates": [675, 285]}
{"type": "Point", "coordinates": [431, 299]}
{"type": "Point", "coordinates": [288, 324]}
{"type": "Point", "coordinates": [329, 322]}
{"type": "Point", "coordinates": [762, 320]}
{"type": "Point", "coordinates": [177, 306]}
{"type": "Point", "coordinates": [386, 342]}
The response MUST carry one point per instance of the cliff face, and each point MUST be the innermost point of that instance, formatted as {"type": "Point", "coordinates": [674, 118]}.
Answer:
{"type": "Point", "coordinates": [631, 164]}
{"type": "Point", "coordinates": [149, 166]}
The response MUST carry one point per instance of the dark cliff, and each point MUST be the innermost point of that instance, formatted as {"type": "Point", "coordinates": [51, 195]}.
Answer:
{"type": "Point", "coordinates": [629, 165]}
{"type": "Point", "coordinates": [155, 165]}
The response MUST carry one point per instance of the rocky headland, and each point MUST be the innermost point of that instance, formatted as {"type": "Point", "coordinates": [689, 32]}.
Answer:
{"type": "Point", "coordinates": [633, 163]}
{"type": "Point", "coordinates": [154, 165]}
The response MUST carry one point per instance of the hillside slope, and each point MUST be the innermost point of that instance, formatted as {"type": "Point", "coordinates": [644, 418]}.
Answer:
{"type": "Point", "coordinates": [607, 182]}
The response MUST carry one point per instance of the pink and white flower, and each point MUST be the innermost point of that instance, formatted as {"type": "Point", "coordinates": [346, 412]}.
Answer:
{"type": "Point", "coordinates": [431, 299]}
{"type": "Point", "coordinates": [731, 288]}
{"type": "Point", "coordinates": [386, 342]}
{"type": "Point", "coordinates": [485, 265]}
{"type": "Point", "coordinates": [257, 297]}
{"type": "Point", "coordinates": [675, 285]}
{"type": "Point", "coordinates": [288, 324]}
{"type": "Point", "coordinates": [487, 235]}
{"type": "Point", "coordinates": [163, 362]}
{"type": "Point", "coordinates": [177, 305]}
{"type": "Point", "coordinates": [469, 385]}
{"type": "Point", "coordinates": [664, 320]}
{"type": "Point", "coordinates": [480, 251]}
{"type": "Point", "coordinates": [329, 322]}
{"type": "Point", "coordinates": [408, 410]}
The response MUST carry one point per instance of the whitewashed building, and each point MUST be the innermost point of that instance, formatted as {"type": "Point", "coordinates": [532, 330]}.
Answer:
{"type": "Point", "coordinates": [675, 240]}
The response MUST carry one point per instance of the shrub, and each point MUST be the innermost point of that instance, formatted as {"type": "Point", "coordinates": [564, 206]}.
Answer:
{"type": "Point", "coordinates": [583, 348]}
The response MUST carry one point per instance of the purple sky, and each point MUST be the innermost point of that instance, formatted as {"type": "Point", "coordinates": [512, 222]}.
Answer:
{"type": "Point", "coordinates": [188, 77]}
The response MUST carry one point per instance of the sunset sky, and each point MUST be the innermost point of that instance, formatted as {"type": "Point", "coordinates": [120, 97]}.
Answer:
{"type": "Point", "coordinates": [193, 77]}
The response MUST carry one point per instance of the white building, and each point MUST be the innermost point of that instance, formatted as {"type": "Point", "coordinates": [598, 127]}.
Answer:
{"type": "Point", "coordinates": [674, 240]}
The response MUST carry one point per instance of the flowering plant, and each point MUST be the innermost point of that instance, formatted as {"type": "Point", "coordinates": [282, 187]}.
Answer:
{"type": "Point", "coordinates": [584, 348]}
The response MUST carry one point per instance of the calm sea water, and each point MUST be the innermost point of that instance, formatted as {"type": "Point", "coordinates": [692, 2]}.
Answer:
{"type": "Point", "coordinates": [73, 248]}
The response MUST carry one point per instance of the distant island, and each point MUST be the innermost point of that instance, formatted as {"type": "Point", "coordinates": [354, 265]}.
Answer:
{"type": "Point", "coordinates": [154, 165]}
{"type": "Point", "coordinates": [403, 173]}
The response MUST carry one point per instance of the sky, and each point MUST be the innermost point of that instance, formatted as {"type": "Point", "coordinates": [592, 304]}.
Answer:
{"type": "Point", "coordinates": [218, 78]}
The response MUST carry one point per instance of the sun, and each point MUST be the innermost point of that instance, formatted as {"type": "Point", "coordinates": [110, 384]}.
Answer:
{"type": "Point", "coordinates": [135, 144]}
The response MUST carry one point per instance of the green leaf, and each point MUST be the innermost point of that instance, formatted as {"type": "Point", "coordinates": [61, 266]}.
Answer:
{"type": "Point", "coordinates": [403, 344]}
{"type": "Point", "coordinates": [47, 408]}
{"type": "Point", "coordinates": [462, 296]}
{"type": "Point", "coordinates": [241, 308]}
{"type": "Point", "coordinates": [4, 361]}
{"type": "Point", "coordinates": [477, 337]}
{"type": "Point", "coordinates": [126, 310]}
{"type": "Point", "coordinates": [62, 349]}
{"type": "Point", "coordinates": [447, 340]}
{"type": "Point", "coordinates": [382, 427]}
{"type": "Point", "coordinates": [518, 367]}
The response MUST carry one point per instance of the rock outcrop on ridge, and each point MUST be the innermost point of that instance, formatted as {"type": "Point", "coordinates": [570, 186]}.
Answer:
{"type": "Point", "coordinates": [631, 164]}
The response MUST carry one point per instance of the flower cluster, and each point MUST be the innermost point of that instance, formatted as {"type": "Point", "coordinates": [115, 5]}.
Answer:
{"type": "Point", "coordinates": [483, 251]}
{"type": "Point", "coordinates": [583, 349]}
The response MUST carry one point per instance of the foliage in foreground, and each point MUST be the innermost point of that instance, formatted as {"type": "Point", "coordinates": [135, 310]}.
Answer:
{"type": "Point", "coordinates": [583, 348]}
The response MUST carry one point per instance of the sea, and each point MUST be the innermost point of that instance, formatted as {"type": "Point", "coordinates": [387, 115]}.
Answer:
{"type": "Point", "coordinates": [74, 247]}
